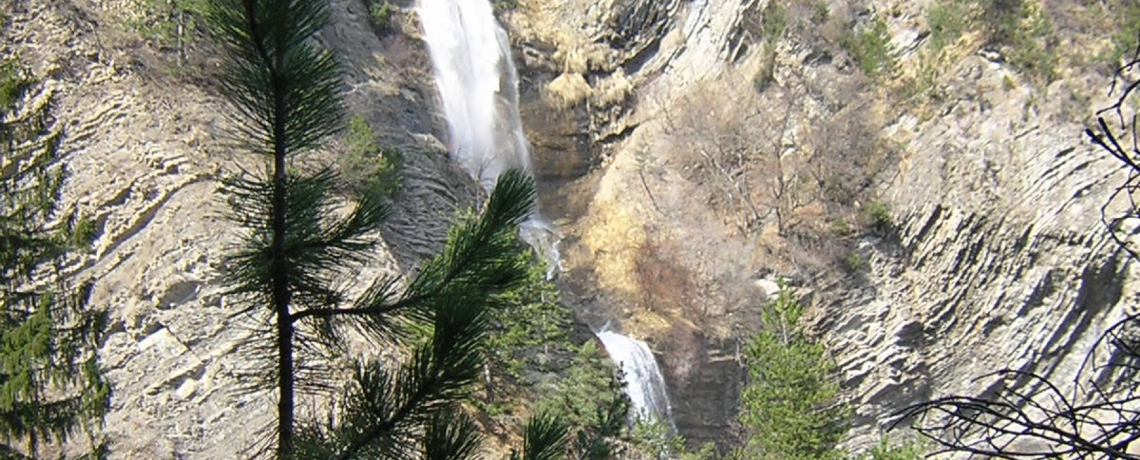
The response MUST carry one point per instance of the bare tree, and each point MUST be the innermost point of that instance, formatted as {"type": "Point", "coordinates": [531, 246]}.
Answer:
{"type": "Point", "coordinates": [1030, 417]}
{"type": "Point", "coordinates": [748, 145]}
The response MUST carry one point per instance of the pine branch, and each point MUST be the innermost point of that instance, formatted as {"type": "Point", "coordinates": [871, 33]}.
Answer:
{"type": "Point", "coordinates": [545, 437]}
{"type": "Point", "coordinates": [475, 249]}
{"type": "Point", "coordinates": [450, 435]}
{"type": "Point", "coordinates": [438, 375]}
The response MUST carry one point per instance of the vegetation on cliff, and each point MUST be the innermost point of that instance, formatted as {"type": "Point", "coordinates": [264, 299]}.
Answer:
{"type": "Point", "coordinates": [293, 270]}
{"type": "Point", "coordinates": [300, 254]}
{"type": "Point", "coordinates": [790, 408]}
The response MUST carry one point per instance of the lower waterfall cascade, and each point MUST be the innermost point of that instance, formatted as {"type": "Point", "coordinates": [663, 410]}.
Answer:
{"type": "Point", "coordinates": [643, 380]}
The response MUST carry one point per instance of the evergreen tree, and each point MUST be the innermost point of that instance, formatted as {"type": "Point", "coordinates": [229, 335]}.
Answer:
{"type": "Point", "coordinates": [50, 383]}
{"type": "Point", "coordinates": [529, 327]}
{"type": "Point", "coordinates": [590, 398]}
{"type": "Point", "coordinates": [296, 263]}
{"type": "Point", "coordinates": [789, 408]}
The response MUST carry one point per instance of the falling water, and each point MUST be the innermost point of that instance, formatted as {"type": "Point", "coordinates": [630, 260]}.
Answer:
{"type": "Point", "coordinates": [478, 87]}
{"type": "Point", "coordinates": [644, 383]}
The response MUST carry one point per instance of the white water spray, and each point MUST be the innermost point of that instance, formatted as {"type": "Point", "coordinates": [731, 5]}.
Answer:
{"type": "Point", "coordinates": [478, 87]}
{"type": "Point", "coordinates": [644, 383]}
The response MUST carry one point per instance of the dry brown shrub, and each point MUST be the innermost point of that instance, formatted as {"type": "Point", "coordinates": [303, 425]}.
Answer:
{"type": "Point", "coordinates": [667, 286]}
{"type": "Point", "coordinates": [779, 164]}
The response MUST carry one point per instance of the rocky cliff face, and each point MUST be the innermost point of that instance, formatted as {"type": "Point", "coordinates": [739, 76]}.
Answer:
{"type": "Point", "coordinates": [146, 147]}
{"type": "Point", "coordinates": [1002, 260]}
{"type": "Point", "coordinates": [998, 258]}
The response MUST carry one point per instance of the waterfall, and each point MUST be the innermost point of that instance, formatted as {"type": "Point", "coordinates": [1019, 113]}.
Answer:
{"type": "Point", "coordinates": [479, 91]}
{"type": "Point", "coordinates": [644, 383]}
{"type": "Point", "coordinates": [478, 87]}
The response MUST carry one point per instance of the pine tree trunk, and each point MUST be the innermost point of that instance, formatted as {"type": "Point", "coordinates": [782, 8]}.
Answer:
{"type": "Point", "coordinates": [488, 383]}
{"type": "Point", "coordinates": [285, 385]}
{"type": "Point", "coordinates": [282, 297]}
{"type": "Point", "coordinates": [181, 38]}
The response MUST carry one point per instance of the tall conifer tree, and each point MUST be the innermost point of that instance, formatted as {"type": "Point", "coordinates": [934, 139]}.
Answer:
{"type": "Point", "coordinates": [50, 383]}
{"type": "Point", "coordinates": [297, 259]}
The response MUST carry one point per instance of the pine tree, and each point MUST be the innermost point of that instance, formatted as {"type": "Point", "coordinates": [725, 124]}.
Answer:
{"type": "Point", "coordinates": [295, 266]}
{"type": "Point", "coordinates": [789, 408]}
{"type": "Point", "coordinates": [50, 383]}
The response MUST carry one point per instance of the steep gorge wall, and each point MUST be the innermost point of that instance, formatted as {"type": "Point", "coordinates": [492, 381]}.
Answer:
{"type": "Point", "coordinates": [589, 71]}
{"type": "Point", "coordinates": [1002, 260]}
{"type": "Point", "coordinates": [998, 259]}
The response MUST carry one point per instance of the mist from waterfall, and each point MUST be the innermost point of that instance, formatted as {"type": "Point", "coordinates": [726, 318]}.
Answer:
{"type": "Point", "coordinates": [478, 87]}
{"type": "Point", "coordinates": [644, 383]}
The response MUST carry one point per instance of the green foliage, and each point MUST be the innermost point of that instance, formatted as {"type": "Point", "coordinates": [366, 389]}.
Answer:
{"type": "Point", "coordinates": [852, 262]}
{"type": "Point", "coordinates": [765, 77]}
{"type": "Point", "coordinates": [789, 407]}
{"type": "Point", "coordinates": [886, 450]}
{"type": "Point", "coordinates": [820, 12]}
{"type": "Point", "coordinates": [655, 439]}
{"type": "Point", "coordinates": [840, 227]}
{"type": "Point", "coordinates": [1024, 29]}
{"type": "Point", "coordinates": [877, 218]}
{"type": "Point", "coordinates": [170, 23]}
{"type": "Point", "coordinates": [366, 168]}
{"type": "Point", "coordinates": [583, 386]}
{"type": "Point", "coordinates": [948, 20]}
{"type": "Point", "coordinates": [583, 390]}
{"type": "Point", "coordinates": [707, 451]}
{"type": "Point", "coordinates": [84, 232]}
{"type": "Point", "coordinates": [589, 398]}
{"type": "Point", "coordinates": [14, 83]}
{"type": "Point", "coordinates": [925, 85]}
{"type": "Point", "coordinates": [529, 325]}
{"type": "Point", "coordinates": [1002, 19]}
{"type": "Point", "coordinates": [1007, 83]}
{"type": "Point", "coordinates": [501, 5]}
{"type": "Point", "coordinates": [1030, 34]}
{"type": "Point", "coordinates": [545, 438]}
{"type": "Point", "coordinates": [1126, 18]}
{"type": "Point", "coordinates": [775, 23]}
{"type": "Point", "coordinates": [870, 48]}
{"type": "Point", "coordinates": [294, 268]}
{"type": "Point", "coordinates": [51, 386]}
{"type": "Point", "coordinates": [380, 15]}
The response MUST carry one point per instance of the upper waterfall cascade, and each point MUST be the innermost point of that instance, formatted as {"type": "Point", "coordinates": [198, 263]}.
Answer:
{"type": "Point", "coordinates": [478, 87]}
{"type": "Point", "coordinates": [644, 383]}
